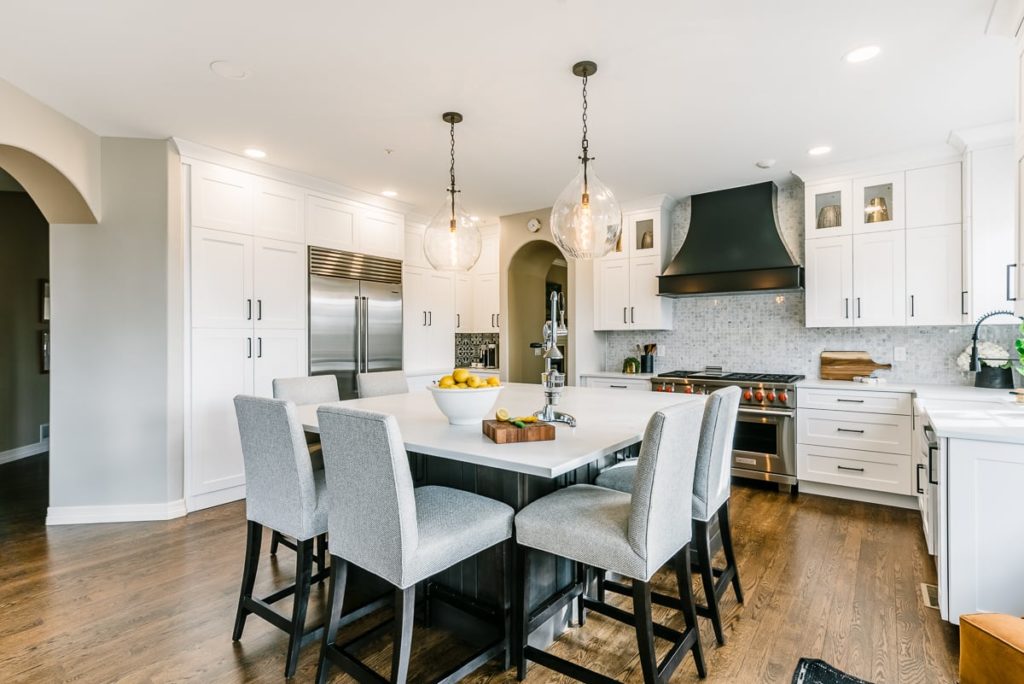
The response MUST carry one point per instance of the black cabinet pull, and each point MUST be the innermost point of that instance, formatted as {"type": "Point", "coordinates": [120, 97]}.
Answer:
{"type": "Point", "coordinates": [858, 307]}
{"type": "Point", "coordinates": [851, 401]}
{"type": "Point", "coordinates": [248, 309]}
{"type": "Point", "coordinates": [424, 319]}
{"type": "Point", "coordinates": [259, 309]}
{"type": "Point", "coordinates": [920, 489]}
{"type": "Point", "coordinates": [430, 317]}
{"type": "Point", "coordinates": [248, 342]}
{"type": "Point", "coordinates": [856, 432]}
{"type": "Point", "coordinates": [624, 319]}
{"type": "Point", "coordinates": [911, 306]}
{"type": "Point", "coordinates": [259, 347]}
{"type": "Point", "coordinates": [846, 307]}
{"type": "Point", "coordinates": [632, 310]}
{"type": "Point", "coordinates": [931, 466]}
{"type": "Point", "coordinates": [963, 302]}
{"type": "Point", "coordinates": [619, 386]}
{"type": "Point", "coordinates": [458, 320]}
{"type": "Point", "coordinates": [856, 470]}
{"type": "Point", "coordinates": [1008, 297]}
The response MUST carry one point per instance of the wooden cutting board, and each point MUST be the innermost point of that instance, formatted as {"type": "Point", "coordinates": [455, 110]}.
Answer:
{"type": "Point", "coordinates": [847, 365]}
{"type": "Point", "coordinates": [501, 432]}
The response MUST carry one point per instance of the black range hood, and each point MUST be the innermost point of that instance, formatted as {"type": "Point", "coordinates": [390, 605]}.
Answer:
{"type": "Point", "coordinates": [733, 246]}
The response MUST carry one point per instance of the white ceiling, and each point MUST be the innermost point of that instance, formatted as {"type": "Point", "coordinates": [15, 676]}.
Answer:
{"type": "Point", "coordinates": [689, 93]}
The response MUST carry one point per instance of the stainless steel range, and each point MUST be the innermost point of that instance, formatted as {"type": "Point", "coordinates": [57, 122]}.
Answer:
{"type": "Point", "coordinates": [765, 444]}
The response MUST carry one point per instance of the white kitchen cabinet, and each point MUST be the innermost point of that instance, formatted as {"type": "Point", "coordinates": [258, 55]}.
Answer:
{"type": "Point", "coordinates": [829, 282]}
{"type": "Point", "coordinates": [279, 287]}
{"type": "Point", "coordinates": [879, 278]}
{"type": "Point", "coordinates": [280, 211]}
{"type": "Point", "coordinates": [463, 303]}
{"type": "Point", "coordinates": [611, 289]}
{"type": "Point", "coordinates": [221, 198]}
{"type": "Point", "coordinates": [1018, 279]}
{"type": "Point", "coordinates": [428, 313]}
{"type": "Point", "coordinates": [486, 308]}
{"type": "Point", "coordinates": [878, 203]}
{"type": "Point", "coordinates": [278, 354]}
{"type": "Point", "coordinates": [222, 279]}
{"type": "Point", "coordinates": [622, 383]}
{"type": "Point", "coordinates": [488, 261]}
{"type": "Point", "coordinates": [380, 233]}
{"type": "Point", "coordinates": [330, 223]}
{"type": "Point", "coordinates": [933, 196]}
{"type": "Point", "coordinates": [990, 236]}
{"type": "Point", "coordinates": [828, 209]}
{"type": "Point", "coordinates": [647, 311]}
{"type": "Point", "coordinates": [934, 295]}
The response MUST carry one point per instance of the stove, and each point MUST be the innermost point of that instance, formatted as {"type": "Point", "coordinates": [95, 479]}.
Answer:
{"type": "Point", "coordinates": [765, 441]}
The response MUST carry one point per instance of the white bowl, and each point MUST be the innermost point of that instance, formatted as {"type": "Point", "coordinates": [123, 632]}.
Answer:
{"type": "Point", "coordinates": [465, 406]}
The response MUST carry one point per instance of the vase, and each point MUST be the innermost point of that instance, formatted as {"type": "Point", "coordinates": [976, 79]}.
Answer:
{"type": "Point", "coordinates": [994, 378]}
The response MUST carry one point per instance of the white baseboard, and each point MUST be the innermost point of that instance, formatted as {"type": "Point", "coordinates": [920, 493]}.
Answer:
{"type": "Point", "coordinates": [24, 451]}
{"type": "Point", "coordinates": [78, 515]}
{"type": "Point", "coordinates": [198, 502]}
{"type": "Point", "coordinates": [854, 494]}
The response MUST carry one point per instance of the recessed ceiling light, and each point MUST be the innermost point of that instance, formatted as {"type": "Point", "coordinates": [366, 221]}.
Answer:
{"type": "Point", "coordinates": [819, 150]}
{"type": "Point", "coordinates": [389, 193]}
{"type": "Point", "coordinates": [228, 70]}
{"type": "Point", "coordinates": [862, 54]}
{"type": "Point", "coordinates": [765, 163]}
{"type": "Point", "coordinates": [254, 153]}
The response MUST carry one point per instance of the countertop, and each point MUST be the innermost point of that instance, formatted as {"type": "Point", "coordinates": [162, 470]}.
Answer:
{"type": "Point", "coordinates": [922, 390]}
{"type": "Point", "coordinates": [618, 375]}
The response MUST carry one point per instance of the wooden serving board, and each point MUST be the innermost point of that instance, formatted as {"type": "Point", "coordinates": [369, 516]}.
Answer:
{"type": "Point", "coordinates": [847, 365]}
{"type": "Point", "coordinates": [501, 432]}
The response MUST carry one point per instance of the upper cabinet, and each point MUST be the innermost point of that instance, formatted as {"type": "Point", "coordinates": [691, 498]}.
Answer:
{"type": "Point", "coordinates": [279, 212]}
{"type": "Point", "coordinates": [878, 203]}
{"type": "Point", "coordinates": [339, 224]}
{"type": "Point", "coordinates": [934, 196]}
{"type": "Point", "coordinates": [221, 198]}
{"type": "Point", "coordinates": [828, 209]}
{"type": "Point", "coordinates": [990, 235]}
{"type": "Point", "coordinates": [381, 233]}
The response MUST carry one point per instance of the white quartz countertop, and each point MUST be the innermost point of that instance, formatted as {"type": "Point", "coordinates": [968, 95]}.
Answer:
{"type": "Point", "coordinates": [605, 423]}
{"type": "Point", "coordinates": [618, 375]}
{"type": "Point", "coordinates": [987, 420]}
{"type": "Point", "coordinates": [921, 389]}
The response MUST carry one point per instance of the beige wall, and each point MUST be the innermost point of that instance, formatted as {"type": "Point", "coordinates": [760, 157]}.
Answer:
{"type": "Point", "coordinates": [527, 285]}
{"type": "Point", "coordinates": [24, 261]}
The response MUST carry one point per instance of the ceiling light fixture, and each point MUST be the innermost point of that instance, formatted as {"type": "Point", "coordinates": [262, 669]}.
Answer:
{"type": "Point", "coordinates": [452, 241]}
{"type": "Point", "coordinates": [765, 163]}
{"type": "Point", "coordinates": [862, 54]}
{"type": "Point", "coordinates": [586, 220]}
{"type": "Point", "coordinates": [228, 70]}
{"type": "Point", "coordinates": [254, 153]}
{"type": "Point", "coordinates": [819, 150]}
{"type": "Point", "coordinates": [389, 193]}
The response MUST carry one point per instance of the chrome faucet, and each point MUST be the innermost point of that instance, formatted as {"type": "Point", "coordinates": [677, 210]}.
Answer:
{"type": "Point", "coordinates": [552, 380]}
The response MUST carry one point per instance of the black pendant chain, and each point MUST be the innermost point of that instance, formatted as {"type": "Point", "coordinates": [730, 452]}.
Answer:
{"type": "Point", "coordinates": [452, 189]}
{"type": "Point", "coordinates": [585, 157]}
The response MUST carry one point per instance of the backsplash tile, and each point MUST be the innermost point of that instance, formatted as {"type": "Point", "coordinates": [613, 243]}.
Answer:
{"type": "Point", "coordinates": [766, 333]}
{"type": "Point", "coordinates": [467, 346]}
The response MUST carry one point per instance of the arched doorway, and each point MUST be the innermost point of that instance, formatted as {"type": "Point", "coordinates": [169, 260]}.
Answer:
{"type": "Point", "coordinates": [535, 270]}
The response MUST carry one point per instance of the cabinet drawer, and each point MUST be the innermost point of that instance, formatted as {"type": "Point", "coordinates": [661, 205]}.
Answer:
{"type": "Point", "coordinates": [864, 401]}
{"type": "Point", "coordinates": [877, 471]}
{"type": "Point", "coordinates": [849, 430]}
{"type": "Point", "coordinates": [617, 383]}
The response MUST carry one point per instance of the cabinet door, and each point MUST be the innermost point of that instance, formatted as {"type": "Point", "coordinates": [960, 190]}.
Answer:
{"type": "Point", "coordinates": [222, 367]}
{"type": "Point", "coordinates": [993, 237]}
{"type": "Point", "coordinates": [880, 278]}
{"type": "Point", "coordinates": [222, 198]}
{"type": "Point", "coordinates": [279, 211]}
{"type": "Point", "coordinates": [280, 284]}
{"type": "Point", "coordinates": [646, 308]}
{"type": "Point", "coordinates": [278, 354]}
{"type": "Point", "coordinates": [1018, 279]}
{"type": "Point", "coordinates": [414, 255]}
{"type": "Point", "coordinates": [380, 233]}
{"type": "Point", "coordinates": [463, 303]}
{"type": "Point", "coordinates": [829, 274]}
{"type": "Point", "coordinates": [878, 203]}
{"type": "Point", "coordinates": [934, 196]}
{"type": "Point", "coordinates": [441, 319]}
{"type": "Point", "coordinates": [643, 231]}
{"type": "Point", "coordinates": [222, 266]}
{"type": "Point", "coordinates": [485, 303]}
{"type": "Point", "coordinates": [827, 209]}
{"type": "Point", "coordinates": [415, 335]}
{"type": "Point", "coordinates": [933, 275]}
{"type": "Point", "coordinates": [488, 261]}
{"type": "Point", "coordinates": [611, 289]}
{"type": "Point", "coordinates": [330, 223]}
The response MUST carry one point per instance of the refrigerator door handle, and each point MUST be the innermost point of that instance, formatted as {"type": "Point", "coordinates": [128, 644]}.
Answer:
{"type": "Point", "coordinates": [359, 332]}
{"type": "Point", "coordinates": [366, 334]}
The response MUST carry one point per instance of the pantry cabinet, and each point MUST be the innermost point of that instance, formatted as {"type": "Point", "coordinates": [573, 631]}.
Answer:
{"type": "Point", "coordinates": [428, 312]}
{"type": "Point", "coordinates": [221, 284]}
{"type": "Point", "coordinates": [934, 279]}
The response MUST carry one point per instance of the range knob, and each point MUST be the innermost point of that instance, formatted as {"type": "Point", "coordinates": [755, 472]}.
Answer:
{"type": "Point", "coordinates": [771, 395]}
{"type": "Point", "coordinates": [783, 397]}
{"type": "Point", "coordinates": [748, 395]}
{"type": "Point", "coordinates": [759, 395]}
{"type": "Point", "coordinates": [688, 389]}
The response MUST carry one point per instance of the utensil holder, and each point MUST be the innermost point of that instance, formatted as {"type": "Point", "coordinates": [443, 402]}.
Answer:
{"type": "Point", "coordinates": [647, 363]}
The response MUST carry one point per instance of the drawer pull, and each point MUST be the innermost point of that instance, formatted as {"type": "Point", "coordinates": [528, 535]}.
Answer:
{"type": "Point", "coordinates": [851, 401]}
{"type": "Point", "coordinates": [744, 460]}
{"type": "Point", "coordinates": [619, 386]}
{"type": "Point", "coordinates": [857, 432]}
{"type": "Point", "coordinates": [858, 470]}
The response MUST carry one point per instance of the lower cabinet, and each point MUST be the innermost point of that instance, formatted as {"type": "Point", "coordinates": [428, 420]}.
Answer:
{"type": "Point", "coordinates": [607, 382]}
{"type": "Point", "coordinates": [873, 470]}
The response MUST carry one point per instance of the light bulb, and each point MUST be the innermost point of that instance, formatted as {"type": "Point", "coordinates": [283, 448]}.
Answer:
{"type": "Point", "coordinates": [586, 220]}
{"type": "Point", "coordinates": [452, 244]}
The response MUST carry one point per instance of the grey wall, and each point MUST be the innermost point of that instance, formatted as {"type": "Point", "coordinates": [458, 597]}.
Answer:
{"type": "Point", "coordinates": [116, 429]}
{"type": "Point", "coordinates": [757, 333]}
{"type": "Point", "coordinates": [24, 261]}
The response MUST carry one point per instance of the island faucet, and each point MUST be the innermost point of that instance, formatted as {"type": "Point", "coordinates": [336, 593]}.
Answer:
{"type": "Point", "coordinates": [552, 380]}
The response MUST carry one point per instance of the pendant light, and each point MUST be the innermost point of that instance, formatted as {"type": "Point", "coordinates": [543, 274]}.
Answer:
{"type": "Point", "coordinates": [586, 221]}
{"type": "Point", "coordinates": [452, 241]}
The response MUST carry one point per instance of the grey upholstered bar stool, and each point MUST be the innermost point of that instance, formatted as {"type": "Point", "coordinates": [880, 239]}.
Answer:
{"type": "Point", "coordinates": [381, 383]}
{"type": "Point", "coordinates": [285, 494]}
{"type": "Point", "coordinates": [379, 523]}
{"type": "Point", "coordinates": [633, 536]}
{"type": "Point", "coordinates": [711, 488]}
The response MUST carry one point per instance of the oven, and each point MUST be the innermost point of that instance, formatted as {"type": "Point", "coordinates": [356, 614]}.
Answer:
{"type": "Point", "coordinates": [765, 445]}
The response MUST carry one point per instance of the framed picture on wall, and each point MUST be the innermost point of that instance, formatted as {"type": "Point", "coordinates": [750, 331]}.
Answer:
{"type": "Point", "coordinates": [44, 301]}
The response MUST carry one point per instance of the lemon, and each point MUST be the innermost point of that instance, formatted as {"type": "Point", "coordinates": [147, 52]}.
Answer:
{"type": "Point", "coordinates": [494, 381]}
{"type": "Point", "coordinates": [461, 385]}
{"type": "Point", "coordinates": [473, 381]}
{"type": "Point", "coordinates": [501, 414]}
{"type": "Point", "coordinates": [460, 375]}
{"type": "Point", "coordinates": [447, 382]}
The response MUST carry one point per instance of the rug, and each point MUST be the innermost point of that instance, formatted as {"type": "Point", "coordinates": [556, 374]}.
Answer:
{"type": "Point", "coordinates": [814, 671]}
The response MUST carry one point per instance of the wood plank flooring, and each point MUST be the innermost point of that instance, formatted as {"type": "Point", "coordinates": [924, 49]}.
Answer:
{"type": "Point", "coordinates": [154, 602]}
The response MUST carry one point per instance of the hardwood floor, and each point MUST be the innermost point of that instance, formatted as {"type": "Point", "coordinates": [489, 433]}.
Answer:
{"type": "Point", "coordinates": [154, 602]}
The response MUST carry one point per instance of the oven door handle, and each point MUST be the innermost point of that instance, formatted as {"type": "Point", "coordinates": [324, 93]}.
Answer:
{"type": "Point", "coordinates": [766, 412]}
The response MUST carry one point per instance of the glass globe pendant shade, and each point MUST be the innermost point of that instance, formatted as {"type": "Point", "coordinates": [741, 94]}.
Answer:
{"type": "Point", "coordinates": [586, 221]}
{"type": "Point", "coordinates": [452, 244]}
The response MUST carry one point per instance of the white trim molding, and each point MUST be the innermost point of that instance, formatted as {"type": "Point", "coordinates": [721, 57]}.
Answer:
{"type": "Point", "coordinates": [79, 515]}
{"type": "Point", "coordinates": [854, 494]}
{"type": "Point", "coordinates": [24, 451]}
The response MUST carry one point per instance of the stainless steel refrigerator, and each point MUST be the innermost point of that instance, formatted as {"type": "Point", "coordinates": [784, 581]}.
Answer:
{"type": "Point", "coordinates": [355, 316]}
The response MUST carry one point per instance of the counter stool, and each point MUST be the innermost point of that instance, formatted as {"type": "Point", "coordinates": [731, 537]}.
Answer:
{"type": "Point", "coordinates": [711, 489]}
{"type": "Point", "coordinates": [381, 383]}
{"type": "Point", "coordinates": [286, 495]}
{"type": "Point", "coordinates": [630, 535]}
{"type": "Point", "coordinates": [379, 523]}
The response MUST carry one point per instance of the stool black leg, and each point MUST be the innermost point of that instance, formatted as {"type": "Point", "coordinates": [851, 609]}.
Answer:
{"type": "Point", "coordinates": [730, 556]}
{"type": "Point", "coordinates": [707, 576]}
{"type": "Point", "coordinates": [321, 552]}
{"type": "Point", "coordinates": [335, 599]}
{"type": "Point", "coordinates": [582, 577]}
{"type": "Point", "coordinates": [303, 579]}
{"type": "Point", "coordinates": [601, 575]}
{"type": "Point", "coordinates": [689, 607]}
{"type": "Point", "coordinates": [253, 541]}
{"type": "Point", "coordinates": [522, 611]}
{"type": "Point", "coordinates": [275, 541]}
{"type": "Point", "coordinates": [405, 611]}
{"type": "Point", "coordinates": [505, 552]}
{"type": "Point", "coordinates": [645, 630]}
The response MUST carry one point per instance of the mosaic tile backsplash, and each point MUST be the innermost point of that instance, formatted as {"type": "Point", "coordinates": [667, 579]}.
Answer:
{"type": "Point", "coordinates": [467, 346]}
{"type": "Point", "coordinates": [760, 333]}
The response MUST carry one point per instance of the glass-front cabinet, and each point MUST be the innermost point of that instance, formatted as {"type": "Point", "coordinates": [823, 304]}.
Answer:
{"type": "Point", "coordinates": [878, 203]}
{"type": "Point", "coordinates": [827, 210]}
{"type": "Point", "coordinates": [640, 236]}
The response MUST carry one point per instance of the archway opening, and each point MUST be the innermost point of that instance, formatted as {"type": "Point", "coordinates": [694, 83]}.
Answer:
{"type": "Point", "coordinates": [535, 270]}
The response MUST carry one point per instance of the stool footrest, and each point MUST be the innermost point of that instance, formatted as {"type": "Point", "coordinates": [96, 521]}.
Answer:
{"type": "Point", "coordinates": [552, 605]}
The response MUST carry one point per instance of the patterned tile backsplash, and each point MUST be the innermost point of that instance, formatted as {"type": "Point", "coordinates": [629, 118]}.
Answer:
{"type": "Point", "coordinates": [467, 346]}
{"type": "Point", "coordinates": [766, 333]}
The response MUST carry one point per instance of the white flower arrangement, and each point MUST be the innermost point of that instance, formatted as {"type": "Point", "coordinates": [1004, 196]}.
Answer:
{"type": "Point", "coordinates": [990, 353]}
